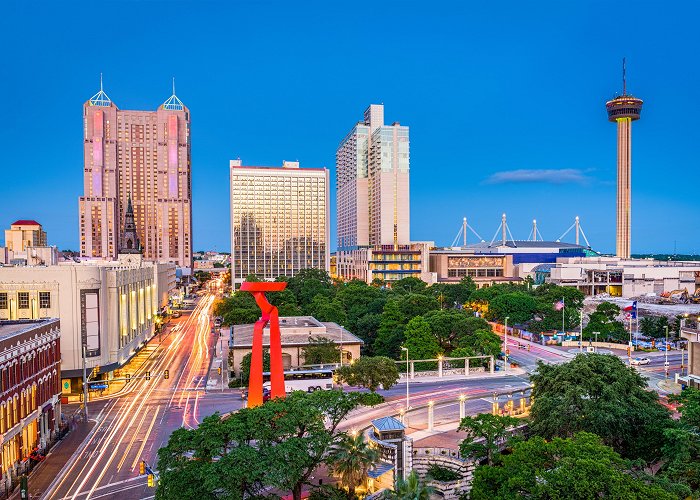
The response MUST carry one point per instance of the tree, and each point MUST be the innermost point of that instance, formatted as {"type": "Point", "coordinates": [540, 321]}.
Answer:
{"type": "Point", "coordinates": [520, 307]}
{"type": "Point", "coordinates": [597, 393]}
{"type": "Point", "coordinates": [358, 300]}
{"type": "Point", "coordinates": [321, 350]}
{"type": "Point", "coordinates": [286, 303]}
{"type": "Point", "coordinates": [414, 304]}
{"type": "Point", "coordinates": [447, 325]}
{"type": "Point", "coordinates": [420, 342]}
{"type": "Point", "coordinates": [409, 285]}
{"type": "Point", "coordinates": [482, 342]}
{"type": "Point", "coordinates": [485, 432]}
{"type": "Point", "coordinates": [390, 334]}
{"type": "Point", "coordinates": [325, 308]}
{"type": "Point", "coordinates": [245, 365]}
{"type": "Point", "coordinates": [366, 328]}
{"type": "Point", "coordinates": [239, 309]}
{"type": "Point", "coordinates": [603, 321]}
{"type": "Point", "coordinates": [411, 488]}
{"type": "Point", "coordinates": [308, 283]}
{"type": "Point", "coordinates": [580, 467]}
{"type": "Point", "coordinates": [370, 372]}
{"type": "Point", "coordinates": [350, 460]}
{"type": "Point", "coordinates": [277, 445]}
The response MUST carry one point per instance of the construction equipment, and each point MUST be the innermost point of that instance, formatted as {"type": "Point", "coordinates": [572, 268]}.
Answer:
{"type": "Point", "coordinates": [675, 296]}
{"type": "Point", "coordinates": [695, 298]}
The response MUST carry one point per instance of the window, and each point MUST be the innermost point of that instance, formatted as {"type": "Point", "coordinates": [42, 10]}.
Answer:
{"type": "Point", "coordinates": [3, 300]}
{"type": "Point", "coordinates": [44, 300]}
{"type": "Point", "coordinates": [23, 300]}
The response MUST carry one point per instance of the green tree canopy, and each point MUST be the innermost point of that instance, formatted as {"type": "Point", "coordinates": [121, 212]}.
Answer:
{"type": "Point", "coordinates": [580, 467]}
{"type": "Point", "coordinates": [370, 372]}
{"type": "Point", "coordinates": [245, 365]}
{"type": "Point", "coordinates": [420, 342]}
{"type": "Point", "coordinates": [350, 460]}
{"type": "Point", "coordinates": [321, 350]}
{"type": "Point", "coordinates": [409, 285]}
{"type": "Point", "coordinates": [277, 445]}
{"type": "Point", "coordinates": [448, 326]}
{"type": "Point", "coordinates": [390, 333]}
{"type": "Point", "coordinates": [485, 433]}
{"type": "Point", "coordinates": [603, 321]}
{"type": "Point", "coordinates": [597, 393]}
{"type": "Point", "coordinates": [519, 307]}
{"type": "Point", "coordinates": [415, 304]}
{"type": "Point", "coordinates": [326, 308]}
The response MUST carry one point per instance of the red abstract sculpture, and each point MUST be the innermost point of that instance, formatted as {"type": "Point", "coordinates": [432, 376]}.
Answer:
{"type": "Point", "coordinates": [269, 314]}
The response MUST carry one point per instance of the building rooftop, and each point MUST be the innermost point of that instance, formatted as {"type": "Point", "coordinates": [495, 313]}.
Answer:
{"type": "Point", "coordinates": [526, 244]}
{"type": "Point", "coordinates": [295, 331]}
{"type": "Point", "coordinates": [10, 328]}
{"type": "Point", "coordinates": [388, 424]}
{"type": "Point", "coordinates": [25, 222]}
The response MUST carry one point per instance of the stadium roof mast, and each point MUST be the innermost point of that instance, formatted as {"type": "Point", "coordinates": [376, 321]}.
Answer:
{"type": "Point", "coordinates": [503, 227]}
{"type": "Point", "coordinates": [579, 230]}
{"type": "Point", "coordinates": [463, 233]}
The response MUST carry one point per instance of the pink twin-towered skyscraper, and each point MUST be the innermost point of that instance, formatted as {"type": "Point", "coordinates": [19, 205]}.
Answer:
{"type": "Point", "coordinates": [145, 156]}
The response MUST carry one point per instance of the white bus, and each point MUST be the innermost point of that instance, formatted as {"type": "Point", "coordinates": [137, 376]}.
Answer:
{"type": "Point", "coordinates": [303, 380]}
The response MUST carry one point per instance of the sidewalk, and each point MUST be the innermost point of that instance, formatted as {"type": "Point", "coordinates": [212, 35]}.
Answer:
{"type": "Point", "coordinates": [668, 385]}
{"type": "Point", "coordinates": [47, 471]}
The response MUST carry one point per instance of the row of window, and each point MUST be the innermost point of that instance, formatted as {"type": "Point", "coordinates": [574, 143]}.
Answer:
{"type": "Point", "coordinates": [23, 300]}
{"type": "Point", "coordinates": [475, 273]}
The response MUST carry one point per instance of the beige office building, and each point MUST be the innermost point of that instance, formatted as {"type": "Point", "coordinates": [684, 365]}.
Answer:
{"type": "Point", "coordinates": [23, 234]}
{"type": "Point", "coordinates": [279, 220]}
{"type": "Point", "coordinates": [373, 209]}
{"type": "Point", "coordinates": [108, 306]}
{"type": "Point", "coordinates": [145, 155]}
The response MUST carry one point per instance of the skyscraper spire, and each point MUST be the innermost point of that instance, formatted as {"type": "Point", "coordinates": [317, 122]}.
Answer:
{"type": "Point", "coordinates": [624, 78]}
{"type": "Point", "coordinates": [100, 99]}
{"type": "Point", "coordinates": [173, 103]}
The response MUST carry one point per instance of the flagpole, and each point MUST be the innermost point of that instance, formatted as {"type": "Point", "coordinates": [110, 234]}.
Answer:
{"type": "Point", "coordinates": [563, 306]}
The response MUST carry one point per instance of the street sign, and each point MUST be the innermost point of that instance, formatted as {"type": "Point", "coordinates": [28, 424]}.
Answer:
{"type": "Point", "coordinates": [98, 387]}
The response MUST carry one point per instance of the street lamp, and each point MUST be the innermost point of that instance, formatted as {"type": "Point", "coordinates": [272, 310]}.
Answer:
{"type": "Point", "coordinates": [505, 345]}
{"type": "Point", "coordinates": [666, 353]}
{"type": "Point", "coordinates": [407, 390]}
{"type": "Point", "coordinates": [596, 340]}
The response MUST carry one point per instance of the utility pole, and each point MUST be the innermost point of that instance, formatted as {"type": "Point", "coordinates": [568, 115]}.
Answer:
{"type": "Point", "coordinates": [505, 344]}
{"type": "Point", "coordinates": [666, 353]}
{"type": "Point", "coordinates": [407, 390]}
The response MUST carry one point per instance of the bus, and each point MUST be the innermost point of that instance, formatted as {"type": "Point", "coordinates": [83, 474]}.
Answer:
{"type": "Point", "coordinates": [303, 380]}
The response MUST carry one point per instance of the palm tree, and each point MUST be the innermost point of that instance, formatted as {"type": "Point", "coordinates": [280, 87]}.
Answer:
{"type": "Point", "coordinates": [350, 460]}
{"type": "Point", "coordinates": [412, 488]}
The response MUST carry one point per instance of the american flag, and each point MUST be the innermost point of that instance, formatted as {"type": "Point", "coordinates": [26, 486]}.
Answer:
{"type": "Point", "coordinates": [559, 305]}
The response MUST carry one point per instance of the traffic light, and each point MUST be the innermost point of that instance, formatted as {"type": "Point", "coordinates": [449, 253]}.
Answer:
{"type": "Point", "coordinates": [150, 481]}
{"type": "Point", "coordinates": [528, 347]}
{"type": "Point", "coordinates": [218, 370]}
{"type": "Point", "coordinates": [166, 374]}
{"type": "Point", "coordinates": [628, 352]}
{"type": "Point", "coordinates": [148, 375]}
{"type": "Point", "coordinates": [128, 378]}
{"type": "Point", "coordinates": [142, 467]}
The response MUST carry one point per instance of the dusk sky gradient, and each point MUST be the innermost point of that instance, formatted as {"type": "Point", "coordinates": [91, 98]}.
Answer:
{"type": "Point", "coordinates": [505, 102]}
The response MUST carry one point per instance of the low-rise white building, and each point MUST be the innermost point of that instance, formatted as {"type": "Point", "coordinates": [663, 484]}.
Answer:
{"type": "Point", "coordinates": [108, 306]}
{"type": "Point", "coordinates": [624, 277]}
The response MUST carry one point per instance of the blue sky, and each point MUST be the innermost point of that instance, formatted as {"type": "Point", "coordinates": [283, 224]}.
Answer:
{"type": "Point", "coordinates": [505, 101]}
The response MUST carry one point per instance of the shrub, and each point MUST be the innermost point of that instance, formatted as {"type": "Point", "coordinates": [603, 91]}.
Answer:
{"type": "Point", "coordinates": [439, 473]}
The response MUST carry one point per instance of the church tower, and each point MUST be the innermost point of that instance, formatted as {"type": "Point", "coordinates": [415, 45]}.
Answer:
{"type": "Point", "coordinates": [130, 250]}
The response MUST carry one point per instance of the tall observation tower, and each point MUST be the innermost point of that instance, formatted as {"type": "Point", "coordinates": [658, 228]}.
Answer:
{"type": "Point", "coordinates": [624, 109]}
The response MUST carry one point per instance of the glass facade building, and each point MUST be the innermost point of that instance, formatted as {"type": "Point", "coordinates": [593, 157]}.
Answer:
{"type": "Point", "coordinates": [279, 220]}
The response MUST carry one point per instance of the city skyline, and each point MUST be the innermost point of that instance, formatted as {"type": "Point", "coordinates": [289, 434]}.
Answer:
{"type": "Point", "coordinates": [484, 138]}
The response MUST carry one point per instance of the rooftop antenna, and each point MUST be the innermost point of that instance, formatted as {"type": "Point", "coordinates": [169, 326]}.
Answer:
{"type": "Point", "coordinates": [173, 85]}
{"type": "Point", "coordinates": [624, 78]}
{"type": "Point", "coordinates": [100, 81]}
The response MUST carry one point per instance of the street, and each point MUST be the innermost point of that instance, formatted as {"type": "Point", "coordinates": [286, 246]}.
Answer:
{"type": "Point", "coordinates": [132, 426]}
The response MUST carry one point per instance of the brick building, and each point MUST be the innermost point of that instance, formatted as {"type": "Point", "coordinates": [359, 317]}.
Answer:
{"type": "Point", "coordinates": [30, 385]}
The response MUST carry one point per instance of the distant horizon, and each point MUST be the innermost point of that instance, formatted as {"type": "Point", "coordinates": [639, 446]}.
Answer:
{"type": "Point", "coordinates": [506, 113]}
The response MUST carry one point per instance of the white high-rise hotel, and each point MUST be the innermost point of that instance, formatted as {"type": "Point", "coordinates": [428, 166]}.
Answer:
{"type": "Point", "coordinates": [373, 211]}
{"type": "Point", "coordinates": [279, 220]}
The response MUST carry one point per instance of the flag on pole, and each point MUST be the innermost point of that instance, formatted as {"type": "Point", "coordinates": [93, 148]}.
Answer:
{"type": "Point", "coordinates": [559, 305]}
{"type": "Point", "coordinates": [632, 310]}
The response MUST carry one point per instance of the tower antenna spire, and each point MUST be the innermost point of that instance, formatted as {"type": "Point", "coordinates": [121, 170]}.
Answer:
{"type": "Point", "coordinates": [100, 81]}
{"type": "Point", "coordinates": [173, 85]}
{"type": "Point", "coordinates": [624, 77]}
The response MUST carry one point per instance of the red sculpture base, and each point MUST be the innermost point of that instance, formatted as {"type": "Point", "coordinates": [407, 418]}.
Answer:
{"type": "Point", "coordinates": [269, 314]}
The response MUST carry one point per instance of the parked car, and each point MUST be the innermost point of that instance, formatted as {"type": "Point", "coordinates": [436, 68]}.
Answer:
{"type": "Point", "coordinates": [641, 361]}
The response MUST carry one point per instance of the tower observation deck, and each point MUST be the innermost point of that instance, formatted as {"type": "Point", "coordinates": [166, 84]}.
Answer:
{"type": "Point", "coordinates": [624, 109]}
